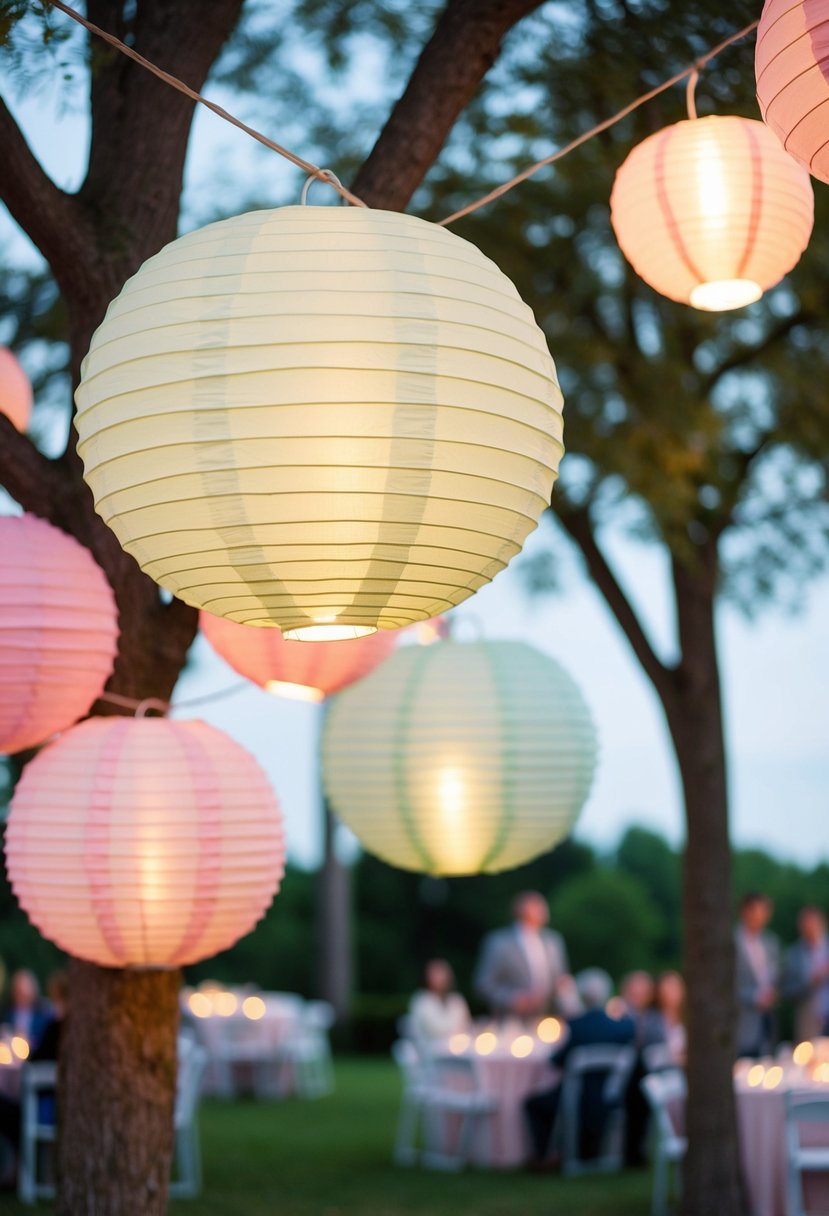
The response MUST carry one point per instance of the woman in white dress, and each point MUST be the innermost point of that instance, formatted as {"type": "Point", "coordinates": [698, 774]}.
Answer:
{"type": "Point", "coordinates": [436, 1011]}
{"type": "Point", "coordinates": [670, 1001]}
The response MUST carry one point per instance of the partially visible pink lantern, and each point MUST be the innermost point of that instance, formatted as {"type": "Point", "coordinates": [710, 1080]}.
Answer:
{"type": "Point", "coordinates": [143, 842]}
{"type": "Point", "coordinates": [15, 390]}
{"type": "Point", "coordinates": [58, 631]}
{"type": "Point", "coordinates": [307, 671]}
{"type": "Point", "coordinates": [791, 64]}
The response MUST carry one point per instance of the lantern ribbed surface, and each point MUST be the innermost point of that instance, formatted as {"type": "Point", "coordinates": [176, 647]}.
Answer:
{"type": "Point", "coordinates": [308, 671]}
{"type": "Point", "coordinates": [144, 842]}
{"type": "Point", "coordinates": [791, 62]}
{"type": "Point", "coordinates": [329, 419]}
{"type": "Point", "coordinates": [711, 211]}
{"type": "Point", "coordinates": [58, 631]}
{"type": "Point", "coordinates": [460, 758]}
{"type": "Point", "coordinates": [15, 390]}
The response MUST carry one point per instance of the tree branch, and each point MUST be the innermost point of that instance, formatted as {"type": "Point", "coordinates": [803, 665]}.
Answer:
{"type": "Point", "coordinates": [33, 480]}
{"type": "Point", "coordinates": [578, 526]}
{"type": "Point", "coordinates": [464, 46]}
{"type": "Point", "coordinates": [47, 214]}
{"type": "Point", "coordinates": [747, 354]}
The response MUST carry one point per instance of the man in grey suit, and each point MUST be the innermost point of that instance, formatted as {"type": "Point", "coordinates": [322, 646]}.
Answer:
{"type": "Point", "coordinates": [758, 973]}
{"type": "Point", "coordinates": [524, 970]}
{"type": "Point", "coordinates": [806, 975]}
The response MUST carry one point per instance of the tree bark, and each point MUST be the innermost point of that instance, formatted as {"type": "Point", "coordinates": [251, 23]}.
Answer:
{"type": "Point", "coordinates": [711, 1174]}
{"type": "Point", "coordinates": [334, 931]}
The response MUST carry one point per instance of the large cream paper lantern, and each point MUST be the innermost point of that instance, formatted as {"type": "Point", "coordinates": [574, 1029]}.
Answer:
{"type": "Point", "coordinates": [58, 631]}
{"type": "Point", "coordinates": [460, 757]}
{"type": "Point", "coordinates": [792, 66]}
{"type": "Point", "coordinates": [144, 842]}
{"type": "Point", "coordinates": [328, 419]}
{"type": "Point", "coordinates": [306, 671]}
{"type": "Point", "coordinates": [711, 211]}
{"type": "Point", "coordinates": [15, 390]}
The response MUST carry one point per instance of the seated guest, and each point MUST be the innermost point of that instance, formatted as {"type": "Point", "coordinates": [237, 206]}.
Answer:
{"type": "Point", "coordinates": [25, 1013]}
{"type": "Point", "coordinates": [637, 1001]}
{"type": "Point", "coordinates": [437, 1012]}
{"type": "Point", "coordinates": [806, 975]}
{"type": "Point", "coordinates": [757, 976]}
{"type": "Point", "coordinates": [592, 1028]}
{"type": "Point", "coordinates": [670, 1003]}
{"type": "Point", "coordinates": [523, 970]}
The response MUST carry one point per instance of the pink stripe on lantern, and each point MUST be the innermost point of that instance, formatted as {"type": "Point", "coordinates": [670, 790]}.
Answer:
{"type": "Point", "coordinates": [666, 208]}
{"type": "Point", "coordinates": [756, 197]}
{"type": "Point", "coordinates": [97, 841]}
{"type": "Point", "coordinates": [209, 813]}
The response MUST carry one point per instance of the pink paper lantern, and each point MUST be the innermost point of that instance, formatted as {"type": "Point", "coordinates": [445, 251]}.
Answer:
{"type": "Point", "coordinates": [308, 671]}
{"type": "Point", "coordinates": [791, 63]}
{"type": "Point", "coordinates": [15, 390]}
{"type": "Point", "coordinates": [144, 842]}
{"type": "Point", "coordinates": [58, 631]}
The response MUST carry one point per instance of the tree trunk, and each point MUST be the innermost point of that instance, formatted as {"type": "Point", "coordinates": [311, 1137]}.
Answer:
{"type": "Point", "coordinates": [118, 1069]}
{"type": "Point", "coordinates": [711, 1175]}
{"type": "Point", "coordinates": [334, 937]}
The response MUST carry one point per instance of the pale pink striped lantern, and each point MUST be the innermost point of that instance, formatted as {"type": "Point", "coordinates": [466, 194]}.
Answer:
{"type": "Point", "coordinates": [58, 631]}
{"type": "Point", "coordinates": [15, 390]}
{"type": "Point", "coordinates": [141, 842]}
{"type": "Point", "coordinates": [307, 671]}
{"type": "Point", "coordinates": [791, 63]}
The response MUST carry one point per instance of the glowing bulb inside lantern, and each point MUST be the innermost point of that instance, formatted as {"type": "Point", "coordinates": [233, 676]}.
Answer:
{"type": "Point", "coordinates": [720, 295]}
{"type": "Point", "coordinates": [321, 631]}
{"type": "Point", "coordinates": [253, 1007]}
{"type": "Point", "coordinates": [456, 844]}
{"type": "Point", "coordinates": [296, 692]}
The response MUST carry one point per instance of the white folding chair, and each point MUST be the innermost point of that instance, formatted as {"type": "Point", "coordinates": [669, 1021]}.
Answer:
{"type": "Point", "coordinates": [657, 1057]}
{"type": "Point", "coordinates": [453, 1091]}
{"type": "Point", "coordinates": [615, 1063]}
{"type": "Point", "coordinates": [308, 1048]}
{"type": "Point", "coordinates": [37, 1127]}
{"type": "Point", "coordinates": [803, 1107]}
{"type": "Point", "coordinates": [192, 1062]}
{"type": "Point", "coordinates": [406, 1058]}
{"type": "Point", "coordinates": [665, 1093]}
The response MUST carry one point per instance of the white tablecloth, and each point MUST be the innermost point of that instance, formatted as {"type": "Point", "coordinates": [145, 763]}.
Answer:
{"type": "Point", "coordinates": [760, 1124]}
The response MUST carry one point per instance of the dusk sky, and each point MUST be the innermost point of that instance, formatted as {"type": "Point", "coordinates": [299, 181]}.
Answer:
{"type": "Point", "coordinates": [776, 668]}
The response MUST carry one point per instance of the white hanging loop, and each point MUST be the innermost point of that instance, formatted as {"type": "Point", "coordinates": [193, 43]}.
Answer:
{"type": "Point", "coordinates": [690, 94]}
{"type": "Point", "coordinates": [325, 175]}
{"type": "Point", "coordinates": [143, 707]}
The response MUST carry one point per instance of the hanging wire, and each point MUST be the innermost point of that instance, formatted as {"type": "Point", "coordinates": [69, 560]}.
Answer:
{"type": "Point", "coordinates": [140, 706]}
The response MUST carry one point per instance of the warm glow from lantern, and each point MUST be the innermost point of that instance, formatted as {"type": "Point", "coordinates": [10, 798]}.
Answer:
{"type": "Point", "coordinates": [773, 1077]}
{"type": "Point", "coordinates": [459, 1043]}
{"type": "Point", "coordinates": [711, 211]}
{"type": "Point", "coordinates": [549, 1030]}
{"type": "Point", "coordinates": [522, 1046]}
{"type": "Point", "coordinates": [485, 1043]}
{"type": "Point", "coordinates": [253, 1007]}
{"type": "Point", "coordinates": [294, 692]}
{"type": "Point", "coordinates": [20, 1047]}
{"type": "Point", "coordinates": [332, 420]}
{"type": "Point", "coordinates": [144, 842]}
{"type": "Point", "coordinates": [803, 1053]}
{"type": "Point", "coordinates": [6, 1056]}
{"type": "Point", "coordinates": [15, 390]}
{"type": "Point", "coordinates": [755, 1075]}
{"type": "Point", "coordinates": [460, 758]}
{"type": "Point", "coordinates": [200, 1005]}
{"type": "Point", "coordinates": [790, 63]}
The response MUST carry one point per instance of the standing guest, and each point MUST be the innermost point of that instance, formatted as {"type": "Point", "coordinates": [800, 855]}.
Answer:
{"type": "Point", "coordinates": [806, 975]}
{"type": "Point", "coordinates": [437, 1012]}
{"type": "Point", "coordinates": [524, 970]}
{"type": "Point", "coordinates": [594, 1027]}
{"type": "Point", "coordinates": [25, 1013]}
{"type": "Point", "coordinates": [638, 993]}
{"type": "Point", "coordinates": [758, 967]}
{"type": "Point", "coordinates": [670, 1003]}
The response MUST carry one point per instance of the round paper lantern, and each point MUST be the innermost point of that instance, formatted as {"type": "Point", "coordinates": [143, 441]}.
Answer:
{"type": "Point", "coordinates": [460, 758]}
{"type": "Point", "coordinates": [328, 419]}
{"type": "Point", "coordinates": [144, 842]}
{"type": "Point", "coordinates": [58, 631]}
{"type": "Point", "coordinates": [307, 671]}
{"type": "Point", "coordinates": [711, 211]}
{"type": "Point", "coordinates": [791, 61]}
{"type": "Point", "coordinates": [15, 390]}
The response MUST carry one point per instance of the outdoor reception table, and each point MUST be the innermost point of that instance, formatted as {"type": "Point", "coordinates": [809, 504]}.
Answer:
{"type": "Point", "coordinates": [243, 1032]}
{"type": "Point", "coordinates": [761, 1099]}
{"type": "Point", "coordinates": [511, 1065]}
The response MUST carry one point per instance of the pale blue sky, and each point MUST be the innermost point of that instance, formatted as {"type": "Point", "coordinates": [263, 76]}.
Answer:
{"type": "Point", "coordinates": [776, 670]}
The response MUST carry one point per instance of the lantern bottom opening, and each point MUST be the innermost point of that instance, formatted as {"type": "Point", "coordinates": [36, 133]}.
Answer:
{"type": "Point", "coordinates": [297, 692]}
{"type": "Point", "coordinates": [719, 295]}
{"type": "Point", "coordinates": [328, 633]}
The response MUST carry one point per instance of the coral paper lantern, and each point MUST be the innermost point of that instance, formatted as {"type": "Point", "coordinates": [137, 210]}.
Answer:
{"type": "Point", "coordinates": [144, 842]}
{"type": "Point", "coordinates": [792, 67]}
{"type": "Point", "coordinates": [58, 631]}
{"type": "Point", "coordinates": [460, 758]}
{"type": "Point", "coordinates": [328, 419]}
{"type": "Point", "coordinates": [15, 390]}
{"type": "Point", "coordinates": [711, 211]}
{"type": "Point", "coordinates": [307, 671]}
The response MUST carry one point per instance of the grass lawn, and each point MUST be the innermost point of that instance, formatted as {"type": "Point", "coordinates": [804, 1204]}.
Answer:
{"type": "Point", "coordinates": [332, 1157]}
